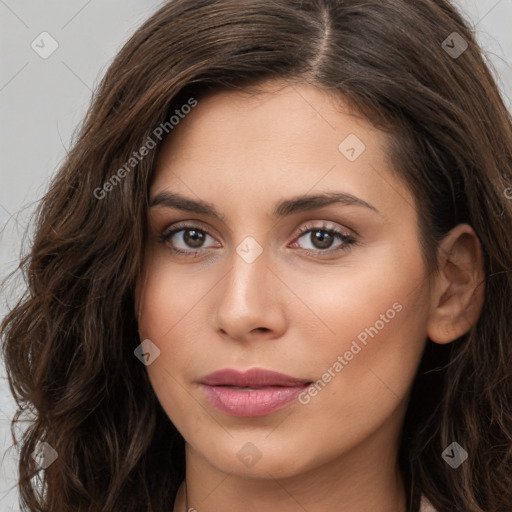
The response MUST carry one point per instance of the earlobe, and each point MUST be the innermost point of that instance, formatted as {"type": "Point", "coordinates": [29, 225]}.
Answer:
{"type": "Point", "coordinates": [458, 293]}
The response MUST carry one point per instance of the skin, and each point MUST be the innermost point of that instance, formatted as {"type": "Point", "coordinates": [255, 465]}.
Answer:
{"type": "Point", "coordinates": [291, 310]}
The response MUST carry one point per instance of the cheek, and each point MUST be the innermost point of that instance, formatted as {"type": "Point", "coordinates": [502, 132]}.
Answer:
{"type": "Point", "coordinates": [384, 289]}
{"type": "Point", "coordinates": [169, 295]}
{"type": "Point", "coordinates": [379, 319]}
{"type": "Point", "coordinates": [171, 303]}
{"type": "Point", "coordinates": [166, 303]}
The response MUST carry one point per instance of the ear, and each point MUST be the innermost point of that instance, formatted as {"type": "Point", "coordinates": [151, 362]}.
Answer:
{"type": "Point", "coordinates": [458, 292]}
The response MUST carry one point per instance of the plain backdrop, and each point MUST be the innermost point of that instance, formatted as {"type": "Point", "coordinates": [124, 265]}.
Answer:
{"type": "Point", "coordinates": [43, 99]}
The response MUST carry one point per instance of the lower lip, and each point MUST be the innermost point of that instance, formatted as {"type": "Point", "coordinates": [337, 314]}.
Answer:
{"type": "Point", "coordinates": [251, 402]}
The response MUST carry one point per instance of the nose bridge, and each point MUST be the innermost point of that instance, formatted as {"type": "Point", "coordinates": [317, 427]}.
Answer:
{"type": "Point", "coordinates": [249, 272]}
{"type": "Point", "coordinates": [248, 298]}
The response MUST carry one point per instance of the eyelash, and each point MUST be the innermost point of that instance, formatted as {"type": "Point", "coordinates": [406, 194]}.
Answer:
{"type": "Point", "coordinates": [347, 240]}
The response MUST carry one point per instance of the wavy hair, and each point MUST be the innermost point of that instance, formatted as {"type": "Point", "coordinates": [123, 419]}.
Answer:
{"type": "Point", "coordinates": [68, 342]}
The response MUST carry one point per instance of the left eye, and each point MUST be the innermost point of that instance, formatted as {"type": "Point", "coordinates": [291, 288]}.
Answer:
{"type": "Point", "coordinates": [323, 238]}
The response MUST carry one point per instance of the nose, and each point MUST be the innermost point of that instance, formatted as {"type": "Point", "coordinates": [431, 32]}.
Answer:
{"type": "Point", "coordinates": [250, 300]}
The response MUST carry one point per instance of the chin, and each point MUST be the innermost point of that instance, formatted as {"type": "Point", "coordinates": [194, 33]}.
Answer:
{"type": "Point", "coordinates": [255, 457]}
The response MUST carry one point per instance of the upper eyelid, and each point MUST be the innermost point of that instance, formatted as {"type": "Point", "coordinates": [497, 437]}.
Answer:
{"type": "Point", "coordinates": [180, 226]}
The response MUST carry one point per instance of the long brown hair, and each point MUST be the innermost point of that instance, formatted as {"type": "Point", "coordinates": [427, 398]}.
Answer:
{"type": "Point", "coordinates": [68, 343]}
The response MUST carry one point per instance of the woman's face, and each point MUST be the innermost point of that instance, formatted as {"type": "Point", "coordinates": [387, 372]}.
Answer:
{"type": "Point", "coordinates": [329, 292]}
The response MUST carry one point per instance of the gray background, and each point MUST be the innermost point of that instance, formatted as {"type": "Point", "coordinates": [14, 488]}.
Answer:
{"type": "Point", "coordinates": [42, 101]}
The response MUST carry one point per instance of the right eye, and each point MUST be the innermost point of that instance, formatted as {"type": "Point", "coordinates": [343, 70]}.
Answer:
{"type": "Point", "coordinates": [190, 237]}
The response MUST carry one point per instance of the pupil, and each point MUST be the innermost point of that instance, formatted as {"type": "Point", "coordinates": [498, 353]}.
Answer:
{"type": "Point", "coordinates": [196, 239]}
{"type": "Point", "coordinates": [323, 238]}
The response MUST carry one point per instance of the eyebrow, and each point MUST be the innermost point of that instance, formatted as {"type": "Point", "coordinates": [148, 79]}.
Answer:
{"type": "Point", "coordinates": [284, 208]}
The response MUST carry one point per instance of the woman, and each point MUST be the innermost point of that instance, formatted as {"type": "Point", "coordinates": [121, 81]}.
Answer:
{"type": "Point", "coordinates": [274, 271]}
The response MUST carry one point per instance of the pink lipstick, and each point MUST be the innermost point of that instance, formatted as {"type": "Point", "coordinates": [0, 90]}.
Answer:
{"type": "Point", "coordinates": [256, 392]}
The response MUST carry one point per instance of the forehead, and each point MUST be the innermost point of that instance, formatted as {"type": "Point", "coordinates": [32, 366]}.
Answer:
{"type": "Point", "coordinates": [272, 109]}
{"type": "Point", "coordinates": [282, 139]}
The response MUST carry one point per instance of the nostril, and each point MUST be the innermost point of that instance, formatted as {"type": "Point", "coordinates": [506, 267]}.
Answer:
{"type": "Point", "coordinates": [261, 329]}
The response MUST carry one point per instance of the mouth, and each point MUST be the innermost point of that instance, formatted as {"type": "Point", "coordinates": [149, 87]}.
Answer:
{"type": "Point", "coordinates": [257, 392]}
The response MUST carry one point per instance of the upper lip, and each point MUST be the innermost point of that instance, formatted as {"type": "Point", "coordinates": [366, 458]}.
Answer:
{"type": "Point", "coordinates": [253, 377]}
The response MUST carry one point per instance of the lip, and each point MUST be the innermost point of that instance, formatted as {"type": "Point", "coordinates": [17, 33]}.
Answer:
{"type": "Point", "coordinates": [256, 392]}
{"type": "Point", "coordinates": [255, 377]}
